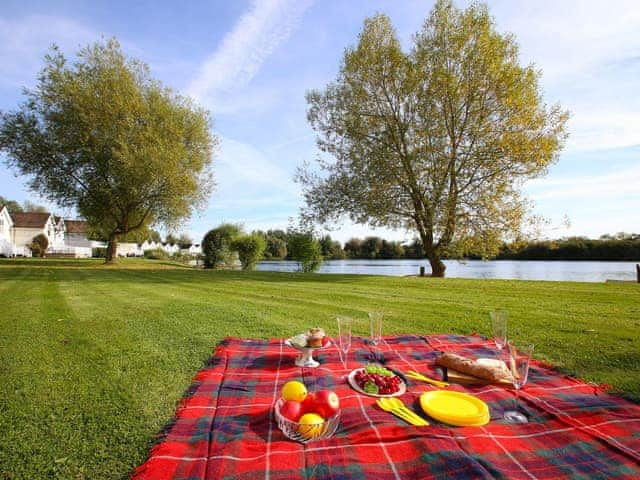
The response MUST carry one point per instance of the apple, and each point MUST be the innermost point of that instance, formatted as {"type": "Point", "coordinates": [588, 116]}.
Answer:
{"type": "Point", "coordinates": [308, 403]}
{"type": "Point", "coordinates": [326, 403]}
{"type": "Point", "coordinates": [292, 410]}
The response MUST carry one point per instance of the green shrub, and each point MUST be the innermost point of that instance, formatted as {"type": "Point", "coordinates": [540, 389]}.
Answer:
{"type": "Point", "coordinates": [217, 246]}
{"type": "Point", "coordinates": [305, 250]}
{"type": "Point", "coordinates": [99, 252]}
{"type": "Point", "coordinates": [39, 245]}
{"type": "Point", "coordinates": [250, 249]}
{"type": "Point", "coordinates": [156, 254]}
{"type": "Point", "coordinates": [182, 257]}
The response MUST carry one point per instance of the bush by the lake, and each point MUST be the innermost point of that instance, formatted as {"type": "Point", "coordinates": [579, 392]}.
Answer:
{"type": "Point", "coordinates": [305, 250]}
{"type": "Point", "coordinates": [38, 245]}
{"type": "Point", "coordinates": [217, 246]}
{"type": "Point", "coordinates": [156, 254]}
{"type": "Point", "coordinates": [250, 250]}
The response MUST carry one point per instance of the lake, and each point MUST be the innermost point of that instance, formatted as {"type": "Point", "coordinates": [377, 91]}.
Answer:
{"type": "Point", "coordinates": [576, 271]}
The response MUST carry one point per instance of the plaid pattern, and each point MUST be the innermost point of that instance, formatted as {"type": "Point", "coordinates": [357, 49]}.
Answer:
{"type": "Point", "coordinates": [225, 426]}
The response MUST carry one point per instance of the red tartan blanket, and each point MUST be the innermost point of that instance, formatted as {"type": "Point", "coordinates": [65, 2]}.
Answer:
{"type": "Point", "coordinates": [225, 426]}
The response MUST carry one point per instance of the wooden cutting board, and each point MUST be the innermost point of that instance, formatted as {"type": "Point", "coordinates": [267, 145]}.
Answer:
{"type": "Point", "coordinates": [454, 376]}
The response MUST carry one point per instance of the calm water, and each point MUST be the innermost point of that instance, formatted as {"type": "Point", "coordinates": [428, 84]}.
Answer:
{"type": "Point", "coordinates": [506, 269]}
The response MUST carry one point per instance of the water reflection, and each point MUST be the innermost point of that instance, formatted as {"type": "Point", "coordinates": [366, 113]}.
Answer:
{"type": "Point", "coordinates": [578, 271]}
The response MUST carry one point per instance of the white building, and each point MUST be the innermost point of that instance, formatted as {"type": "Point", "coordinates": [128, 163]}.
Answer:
{"type": "Point", "coordinates": [28, 225]}
{"type": "Point", "coordinates": [66, 237]}
{"type": "Point", "coordinates": [194, 249]}
{"type": "Point", "coordinates": [7, 248]}
{"type": "Point", "coordinates": [126, 249]}
{"type": "Point", "coordinates": [76, 242]}
{"type": "Point", "coordinates": [170, 248]}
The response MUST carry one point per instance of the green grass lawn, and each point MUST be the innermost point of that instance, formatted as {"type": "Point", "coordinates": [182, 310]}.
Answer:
{"type": "Point", "coordinates": [94, 359]}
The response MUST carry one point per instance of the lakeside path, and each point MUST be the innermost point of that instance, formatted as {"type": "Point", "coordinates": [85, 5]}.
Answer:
{"type": "Point", "coordinates": [94, 359]}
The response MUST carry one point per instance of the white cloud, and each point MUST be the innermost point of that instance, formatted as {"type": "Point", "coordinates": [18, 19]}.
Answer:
{"type": "Point", "coordinates": [572, 37]}
{"type": "Point", "coordinates": [589, 54]}
{"type": "Point", "coordinates": [242, 167]}
{"type": "Point", "coordinates": [244, 49]}
{"type": "Point", "coordinates": [580, 187]}
{"type": "Point", "coordinates": [24, 42]}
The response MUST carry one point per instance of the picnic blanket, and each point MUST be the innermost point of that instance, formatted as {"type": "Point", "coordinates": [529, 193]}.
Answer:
{"type": "Point", "coordinates": [225, 428]}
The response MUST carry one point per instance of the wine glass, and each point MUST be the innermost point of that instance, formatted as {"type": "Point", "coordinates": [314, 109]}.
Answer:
{"type": "Point", "coordinates": [499, 325]}
{"type": "Point", "coordinates": [519, 357]}
{"type": "Point", "coordinates": [375, 322]}
{"type": "Point", "coordinates": [344, 337]}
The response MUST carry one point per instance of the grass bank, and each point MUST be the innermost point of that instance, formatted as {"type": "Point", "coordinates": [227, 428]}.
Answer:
{"type": "Point", "coordinates": [94, 359]}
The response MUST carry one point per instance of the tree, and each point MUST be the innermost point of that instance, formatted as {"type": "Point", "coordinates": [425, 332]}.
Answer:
{"type": "Point", "coordinates": [437, 140]}
{"type": "Point", "coordinates": [12, 205]}
{"type": "Point", "coordinates": [217, 245]}
{"type": "Point", "coordinates": [29, 206]}
{"type": "Point", "coordinates": [154, 236]}
{"type": "Point", "coordinates": [171, 239]}
{"type": "Point", "coordinates": [276, 247]}
{"type": "Point", "coordinates": [102, 136]}
{"type": "Point", "coordinates": [250, 250]}
{"type": "Point", "coordinates": [371, 247]}
{"type": "Point", "coordinates": [185, 241]}
{"type": "Point", "coordinates": [353, 247]}
{"type": "Point", "coordinates": [305, 250]}
{"type": "Point", "coordinates": [39, 245]}
{"type": "Point", "coordinates": [391, 249]}
{"type": "Point", "coordinates": [331, 248]}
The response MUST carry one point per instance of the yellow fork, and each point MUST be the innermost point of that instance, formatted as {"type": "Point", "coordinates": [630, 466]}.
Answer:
{"type": "Point", "coordinates": [418, 376]}
{"type": "Point", "coordinates": [398, 408]}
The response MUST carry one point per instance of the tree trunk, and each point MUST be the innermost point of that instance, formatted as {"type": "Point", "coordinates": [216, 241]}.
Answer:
{"type": "Point", "coordinates": [112, 248]}
{"type": "Point", "coordinates": [437, 266]}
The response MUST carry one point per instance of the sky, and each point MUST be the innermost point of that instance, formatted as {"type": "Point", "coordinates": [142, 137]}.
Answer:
{"type": "Point", "coordinates": [250, 64]}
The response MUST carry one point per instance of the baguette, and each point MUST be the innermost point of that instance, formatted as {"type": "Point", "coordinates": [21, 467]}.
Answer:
{"type": "Point", "coordinates": [470, 367]}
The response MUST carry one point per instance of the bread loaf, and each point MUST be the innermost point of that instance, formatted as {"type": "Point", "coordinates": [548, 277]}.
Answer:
{"type": "Point", "coordinates": [470, 367]}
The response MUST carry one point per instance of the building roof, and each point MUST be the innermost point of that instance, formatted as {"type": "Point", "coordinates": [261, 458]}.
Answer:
{"type": "Point", "coordinates": [76, 226]}
{"type": "Point", "coordinates": [30, 219]}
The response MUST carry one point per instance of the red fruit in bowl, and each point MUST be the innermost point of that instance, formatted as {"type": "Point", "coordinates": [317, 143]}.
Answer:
{"type": "Point", "coordinates": [308, 403]}
{"type": "Point", "coordinates": [292, 410]}
{"type": "Point", "coordinates": [326, 403]}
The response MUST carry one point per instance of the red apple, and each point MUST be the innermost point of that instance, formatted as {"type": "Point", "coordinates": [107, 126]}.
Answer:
{"type": "Point", "coordinates": [308, 403]}
{"type": "Point", "coordinates": [326, 403]}
{"type": "Point", "coordinates": [292, 410]}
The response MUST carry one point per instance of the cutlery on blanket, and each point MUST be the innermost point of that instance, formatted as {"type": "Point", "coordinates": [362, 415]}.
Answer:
{"type": "Point", "coordinates": [418, 376]}
{"type": "Point", "coordinates": [400, 410]}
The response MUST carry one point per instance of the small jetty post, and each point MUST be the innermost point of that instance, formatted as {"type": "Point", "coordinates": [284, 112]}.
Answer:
{"type": "Point", "coordinates": [422, 273]}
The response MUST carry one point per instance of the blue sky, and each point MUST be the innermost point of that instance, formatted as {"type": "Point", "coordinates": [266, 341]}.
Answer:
{"type": "Point", "coordinates": [250, 64]}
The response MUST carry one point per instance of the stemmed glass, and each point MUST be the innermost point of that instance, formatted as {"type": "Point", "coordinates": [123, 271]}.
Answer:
{"type": "Point", "coordinates": [519, 357]}
{"type": "Point", "coordinates": [344, 337]}
{"type": "Point", "coordinates": [499, 325]}
{"type": "Point", "coordinates": [375, 322]}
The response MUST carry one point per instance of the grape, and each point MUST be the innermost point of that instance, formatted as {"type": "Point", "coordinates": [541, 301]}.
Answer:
{"type": "Point", "coordinates": [377, 380]}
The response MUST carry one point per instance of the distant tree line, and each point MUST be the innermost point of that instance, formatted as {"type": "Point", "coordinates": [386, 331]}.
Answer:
{"type": "Point", "coordinates": [622, 246]}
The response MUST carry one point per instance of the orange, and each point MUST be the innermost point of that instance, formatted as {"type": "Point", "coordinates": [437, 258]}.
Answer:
{"type": "Point", "coordinates": [310, 425]}
{"type": "Point", "coordinates": [294, 390]}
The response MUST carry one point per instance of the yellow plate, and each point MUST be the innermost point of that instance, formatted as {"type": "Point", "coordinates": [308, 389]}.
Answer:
{"type": "Point", "coordinates": [455, 408]}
